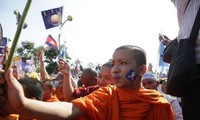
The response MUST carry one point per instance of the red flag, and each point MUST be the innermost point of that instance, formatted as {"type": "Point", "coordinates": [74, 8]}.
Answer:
{"type": "Point", "coordinates": [51, 42]}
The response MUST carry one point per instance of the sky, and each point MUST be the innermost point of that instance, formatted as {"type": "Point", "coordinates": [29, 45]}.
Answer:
{"type": "Point", "coordinates": [98, 26]}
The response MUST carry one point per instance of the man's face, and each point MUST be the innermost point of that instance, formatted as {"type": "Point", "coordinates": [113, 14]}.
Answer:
{"type": "Point", "coordinates": [104, 78]}
{"type": "Point", "coordinates": [122, 63]}
{"type": "Point", "coordinates": [149, 84]}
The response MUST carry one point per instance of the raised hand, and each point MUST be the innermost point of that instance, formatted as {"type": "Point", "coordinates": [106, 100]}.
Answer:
{"type": "Point", "coordinates": [63, 66]}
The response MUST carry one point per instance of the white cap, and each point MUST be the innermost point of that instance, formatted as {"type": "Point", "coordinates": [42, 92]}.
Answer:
{"type": "Point", "coordinates": [149, 75]}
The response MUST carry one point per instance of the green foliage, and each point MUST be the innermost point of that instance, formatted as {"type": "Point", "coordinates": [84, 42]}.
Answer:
{"type": "Point", "coordinates": [52, 68]}
{"type": "Point", "coordinates": [20, 51]}
{"type": "Point", "coordinates": [50, 57]}
{"type": "Point", "coordinates": [27, 50]}
{"type": "Point", "coordinates": [28, 46]}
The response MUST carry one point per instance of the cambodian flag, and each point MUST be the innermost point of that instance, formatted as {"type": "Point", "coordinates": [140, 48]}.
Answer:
{"type": "Point", "coordinates": [51, 42]}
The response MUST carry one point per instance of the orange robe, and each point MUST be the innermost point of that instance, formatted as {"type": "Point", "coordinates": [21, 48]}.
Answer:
{"type": "Point", "coordinates": [53, 98]}
{"type": "Point", "coordinates": [59, 93]}
{"type": "Point", "coordinates": [111, 103]}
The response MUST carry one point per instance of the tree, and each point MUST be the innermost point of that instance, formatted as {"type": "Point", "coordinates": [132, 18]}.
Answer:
{"type": "Point", "coordinates": [50, 59]}
{"type": "Point", "coordinates": [27, 50]}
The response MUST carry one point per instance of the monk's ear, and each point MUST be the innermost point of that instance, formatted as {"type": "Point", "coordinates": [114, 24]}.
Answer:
{"type": "Point", "coordinates": [142, 69]}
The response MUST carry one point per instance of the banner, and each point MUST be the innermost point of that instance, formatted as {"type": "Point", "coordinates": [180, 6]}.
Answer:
{"type": "Point", "coordinates": [52, 17]}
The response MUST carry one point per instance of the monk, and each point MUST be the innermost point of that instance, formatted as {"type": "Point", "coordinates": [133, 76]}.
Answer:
{"type": "Point", "coordinates": [88, 79]}
{"type": "Point", "coordinates": [104, 77]}
{"type": "Point", "coordinates": [59, 77]}
{"type": "Point", "coordinates": [49, 91]}
{"type": "Point", "coordinates": [125, 100]}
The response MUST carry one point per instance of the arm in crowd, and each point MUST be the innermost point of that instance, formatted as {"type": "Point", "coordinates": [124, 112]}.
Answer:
{"type": "Point", "coordinates": [33, 108]}
{"type": "Point", "coordinates": [43, 72]}
{"type": "Point", "coordinates": [68, 87]}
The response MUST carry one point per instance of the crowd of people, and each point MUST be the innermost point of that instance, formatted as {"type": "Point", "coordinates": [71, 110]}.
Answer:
{"type": "Point", "coordinates": [122, 88]}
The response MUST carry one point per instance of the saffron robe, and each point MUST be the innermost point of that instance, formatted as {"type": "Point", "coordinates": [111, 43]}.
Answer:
{"type": "Point", "coordinates": [112, 103]}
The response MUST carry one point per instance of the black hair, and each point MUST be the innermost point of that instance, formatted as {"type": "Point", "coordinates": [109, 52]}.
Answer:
{"type": "Point", "coordinates": [89, 75]}
{"type": "Point", "coordinates": [33, 87]}
{"type": "Point", "coordinates": [49, 82]}
{"type": "Point", "coordinates": [90, 72]}
{"type": "Point", "coordinates": [138, 53]}
{"type": "Point", "coordinates": [107, 64]}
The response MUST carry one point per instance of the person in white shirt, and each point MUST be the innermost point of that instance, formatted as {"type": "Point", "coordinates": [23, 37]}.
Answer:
{"type": "Point", "coordinates": [150, 81]}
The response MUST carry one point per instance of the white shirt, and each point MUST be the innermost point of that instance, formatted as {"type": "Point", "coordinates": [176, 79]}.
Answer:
{"type": "Point", "coordinates": [186, 20]}
{"type": "Point", "coordinates": [174, 103]}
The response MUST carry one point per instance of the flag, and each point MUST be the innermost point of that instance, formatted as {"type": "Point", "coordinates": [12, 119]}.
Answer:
{"type": "Point", "coordinates": [3, 45]}
{"type": "Point", "coordinates": [51, 42]}
{"type": "Point", "coordinates": [52, 17]}
{"type": "Point", "coordinates": [1, 33]}
{"type": "Point", "coordinates": [163, 66]}
{"type": "Point", "coordinates": [27, 64]}
{"type": "Point", "coordinates": [18, 17]}
{"type": "Point", "coordinates": [63, 51]}
{"type": "Point", "coordinates": [4, 41]}
{"type": "Point", "coordinates": [27, 67]}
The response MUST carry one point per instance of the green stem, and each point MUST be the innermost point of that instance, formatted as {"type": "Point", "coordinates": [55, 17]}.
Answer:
{"type": "Point", "coordinates": [17, 34]}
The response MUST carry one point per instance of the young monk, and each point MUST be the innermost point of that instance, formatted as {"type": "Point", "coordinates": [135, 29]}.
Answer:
{"type": "Point", "coordinates": [49, 91]}
{"type": "Point", "coordinates": [88, 79]}
{"type": "Point", "coordinates": [104, 77]}
{"type": "Point", "coordinates": [124, 100]}
{"type": "Point", "coordinates": [59, 77]}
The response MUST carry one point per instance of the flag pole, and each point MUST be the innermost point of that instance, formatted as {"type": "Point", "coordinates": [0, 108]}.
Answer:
{"type": "Point", "coordinates": [17, 34]}
{"type": "Point", "coordinates": [69, 18]}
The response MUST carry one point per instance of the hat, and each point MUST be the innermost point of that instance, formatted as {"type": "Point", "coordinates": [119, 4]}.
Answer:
{"type": "Point", "coordinates": [149, 75]}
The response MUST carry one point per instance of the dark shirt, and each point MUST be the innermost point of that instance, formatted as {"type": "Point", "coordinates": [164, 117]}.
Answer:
{"type": "Point", "coordinates": [83, 91]}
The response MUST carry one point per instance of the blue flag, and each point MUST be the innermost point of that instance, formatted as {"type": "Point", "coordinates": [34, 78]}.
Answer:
{"type": "Point", "coordinates": [27, 67]}
{"type": "Point", "coordinates": [52, 17]}
{"type": "Point", "coordinates": [3, 45]}
{"type": "Point", "coordinates": [63, 51]}
{"type": "Point", "coordinates": [18, 17]}
{"type": "Point", "coordinates": [163, 66]}
{"type": "Point", "coordinates": [1, 33]}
